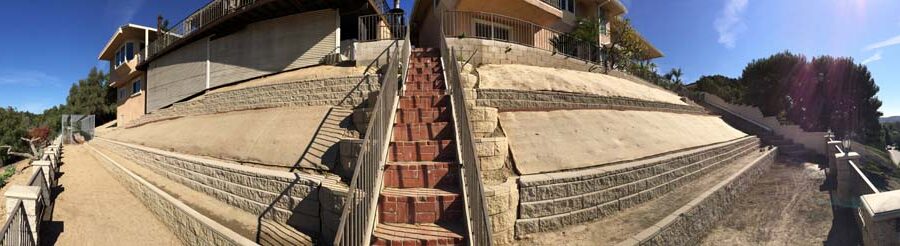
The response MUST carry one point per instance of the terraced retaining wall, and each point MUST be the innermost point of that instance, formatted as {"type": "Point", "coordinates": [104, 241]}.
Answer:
{"type": "Point", "coordinates": [349, 91]}
{"type": "Point", "coordinates": [191, 227]}
{"type": "Point", "coordinates": [499, 52]}
{"type": "Point", "coordinates": [555, 200]}
{"type": "Point", "coordinates": [310, 203]}
{"type": "Point", "coordinates": [520, 100]}
{"type": "Point", "coordinates": [687, 225]}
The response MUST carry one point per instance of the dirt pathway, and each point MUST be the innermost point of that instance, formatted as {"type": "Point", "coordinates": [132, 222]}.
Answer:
{"type": "Point", "coordinates": [784, 207]}
{"type": "Point", "coordinates": [92, 208]}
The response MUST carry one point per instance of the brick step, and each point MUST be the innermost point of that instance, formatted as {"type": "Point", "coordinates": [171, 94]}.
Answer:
{"type": "Point", "coordinates": [419, 205]}
{"type": "Point", "coordinates": [430, 150]}
{"type": "Point", "coordinates": [388, 234]}
{"type": "Point", "coordinates": [422, 131]}
{"type": "Point", "coordinates": [425, 174]}
{"type": "Point", "coordinates": [429, 101]}
{"type": "Point", "coordinates": [424, 93]}
{"type": "Point", "coordinates": [424, 77]}
{"type": "Point", "coordinates": [425, 85]}
{"type": "Point", "coordinates": [422, 114]}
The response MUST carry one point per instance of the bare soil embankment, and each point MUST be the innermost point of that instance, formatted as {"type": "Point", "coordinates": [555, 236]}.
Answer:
{"type": "Point", "coordinates": [785, 207]}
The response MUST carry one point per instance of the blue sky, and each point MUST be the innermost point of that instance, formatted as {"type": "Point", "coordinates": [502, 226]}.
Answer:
{"type": "Point", "coordinates": [48, 45]}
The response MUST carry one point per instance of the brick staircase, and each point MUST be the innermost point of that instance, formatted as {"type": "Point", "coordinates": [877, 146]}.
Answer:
{"type": "Point", "coordinates": [422, 203]}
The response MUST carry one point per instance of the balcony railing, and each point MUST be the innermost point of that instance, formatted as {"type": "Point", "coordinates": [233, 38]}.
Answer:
{"type": "Point", "coordinates": [382, 27]}
{"type": "Point", "coordinates": [463, 24]}
{"type": "Point", "coordinates": [198, 20]}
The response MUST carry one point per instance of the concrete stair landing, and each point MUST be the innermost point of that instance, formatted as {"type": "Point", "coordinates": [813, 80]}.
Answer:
{"type": "Point", "coordinates": [421, 203]}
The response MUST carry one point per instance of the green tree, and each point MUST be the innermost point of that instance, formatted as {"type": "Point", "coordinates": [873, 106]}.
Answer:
{"type": "Point", "coordinates": [625, 46]}
{"type": "Point", "coordinates": [93, 95]}
{"type": "Point", "coordinates": [674, 75]}
{"type": "Point", "coordinates": [729, 89]}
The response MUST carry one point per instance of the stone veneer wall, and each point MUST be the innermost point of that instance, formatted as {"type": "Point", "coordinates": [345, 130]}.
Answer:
{"type": "Point", "coordinates": [311, 203]}
{"type": "Point", "coordinates": [191, 227]}
{"type": "Point", "coordinates": [687, 225]}
{"type": "Point", "coordinates": [499, 52]}
{"type": "Point", "coordinates": [555, 200]}
{"type": "Point", "coordinates": [349, 91]}
{"type": "Point", "coordinates": [520, 100]}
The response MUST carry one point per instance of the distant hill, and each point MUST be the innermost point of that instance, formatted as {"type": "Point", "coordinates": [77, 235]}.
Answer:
{"type": "Point", "coordinates": [889, 119]}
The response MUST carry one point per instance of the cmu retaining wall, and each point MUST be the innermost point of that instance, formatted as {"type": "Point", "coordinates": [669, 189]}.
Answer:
{"type": "Point", "coordinates": [191, 227]}
{"type": "Point", "coordinates": [499, 52]}
{"type": "Point", "coordinates": [348, 91]}
{"type": "Point", "coordinates": [555, 200]}
{"type": "Point", "coordinates": [310, 203]}
{"type": "Point", "coordinates": [519, 100]}
{"type": "Point", "coordinates": [687, 225]}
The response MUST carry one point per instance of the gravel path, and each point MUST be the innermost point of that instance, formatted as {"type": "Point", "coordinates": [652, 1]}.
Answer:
{"type": "Point", "coordinates": [94, 209]}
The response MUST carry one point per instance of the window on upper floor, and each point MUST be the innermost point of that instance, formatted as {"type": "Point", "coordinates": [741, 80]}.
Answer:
{"type": "Point", "coordinates": [125, 53]}
{"type": "Point", "coordinates": [123, 93]}
{"type": "Point", "coordinates": [567, 5]}
{"type": "Point", "coordinates": [136, 87]}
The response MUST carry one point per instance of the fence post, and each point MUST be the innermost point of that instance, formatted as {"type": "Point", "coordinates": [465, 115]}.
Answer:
{"type": "Point", "coordinates": [830, 151]}
{"type": "Point", "coordinates": [29, 195]}
{"type": "Point", "coordinates": [879, 218]}
{"type": "Point", "coordinates": [47, 168]}
{"type": "Point", "coordinates": [845, 181]}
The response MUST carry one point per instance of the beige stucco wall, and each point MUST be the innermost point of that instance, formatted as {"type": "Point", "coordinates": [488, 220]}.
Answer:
{"type": "Point", "coordinates": [132, 107]}
{"type": "Point", "coordinates": [259, 49]}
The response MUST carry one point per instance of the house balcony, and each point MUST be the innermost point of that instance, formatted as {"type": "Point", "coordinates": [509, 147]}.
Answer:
{"type": "Point", "coordinates": [125, 72]}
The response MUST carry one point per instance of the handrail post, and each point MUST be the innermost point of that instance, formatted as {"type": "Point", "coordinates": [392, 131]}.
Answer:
{"type": "Point", "coordinates": [29, 197]}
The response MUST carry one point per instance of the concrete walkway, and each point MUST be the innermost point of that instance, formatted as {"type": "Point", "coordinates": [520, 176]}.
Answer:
{"type": "Point", "coordinates": [92, 208]}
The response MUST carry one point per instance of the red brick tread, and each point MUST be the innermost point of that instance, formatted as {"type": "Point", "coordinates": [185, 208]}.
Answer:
{"type": "Point", "coordinates": [411, 102]}
{"type": "Point", "coordinates": [419, 205]}
{"type": "Point", "coordinates": [424, 174]}
{"type": "Point", "coordinates": [420, 234]}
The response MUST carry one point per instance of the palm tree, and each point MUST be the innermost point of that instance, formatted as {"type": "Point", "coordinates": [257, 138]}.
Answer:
{"type": "Point", "coordinates": [676, 75]}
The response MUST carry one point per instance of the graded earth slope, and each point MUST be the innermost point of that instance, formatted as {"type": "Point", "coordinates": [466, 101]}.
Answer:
{"type": "Point", "coordinates": [570, 139]}
{"type": "Point", "coordinates": [531, 78]}
{"type": "Point", "coordinates": [275, 137]}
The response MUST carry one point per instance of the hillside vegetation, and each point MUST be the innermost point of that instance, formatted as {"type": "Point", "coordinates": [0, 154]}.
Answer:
{"type": "Point", "coordinates": [91, 95]}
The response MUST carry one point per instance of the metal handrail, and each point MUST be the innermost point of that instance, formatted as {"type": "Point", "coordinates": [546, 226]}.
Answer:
{"type": "Point", "coordinates": [17, 230]}
{"type": "Point", "coordinates": [382, 27]}
{"type": "Point", "coordinates": [358, 215]}
{"type": "Point", "coordinates": [204, 16]}
{"type": "Point", "coordinates": [490, 26]}
{"type": "Point", "coordinates": [479, 224]}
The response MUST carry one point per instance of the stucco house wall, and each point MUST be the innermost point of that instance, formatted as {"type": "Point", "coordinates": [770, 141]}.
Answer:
{"type": "Point", "coordinates": [261, 48]}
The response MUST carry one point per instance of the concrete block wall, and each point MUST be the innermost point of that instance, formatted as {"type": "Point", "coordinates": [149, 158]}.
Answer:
{"type": "Point", "coordinates": [499, 52]}
{"type": "Point", "coordinates": [555, 200]}
{"type": "Point", "coordinates": [688, 224]}
{"type": "Point", "coordinates": [366, 52]}
{"type": "Point", "coordinates": [347, 91]}
{"type": "Point", "coordinates": [810, 140]}
{"type": "Point", "coordinates": [309, 205]}
{"type": "Point", "coordinates": [502, 201]}
{"type": "Point", "coordinates": [518, 100]}
{"type": "Point", "coordinates": [191, 227]}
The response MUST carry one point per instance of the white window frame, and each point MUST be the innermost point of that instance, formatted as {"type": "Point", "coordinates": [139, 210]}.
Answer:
{"type": "Point", "coordinates": [492, 25]}
{"type": "Point", "coordinates": [140, 88]}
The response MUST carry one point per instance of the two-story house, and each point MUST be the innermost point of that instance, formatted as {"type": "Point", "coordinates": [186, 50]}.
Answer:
{"type": "Point", "coordinates": [126, 48]}
{"type": "Point", "coordinates": [540, 24]}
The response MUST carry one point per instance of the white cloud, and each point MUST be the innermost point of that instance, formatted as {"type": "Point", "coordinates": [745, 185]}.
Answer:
{"type": "Point", "coordinates": [123, 10]}
{"type": "Point", "coordinates": [27, 78]}
{"type": "Point", "coordinates": [875, 57]}
{"type": "Point", "coordinates": [729, 23]}
{"type": "Point", "coordinates": [889, 42]}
